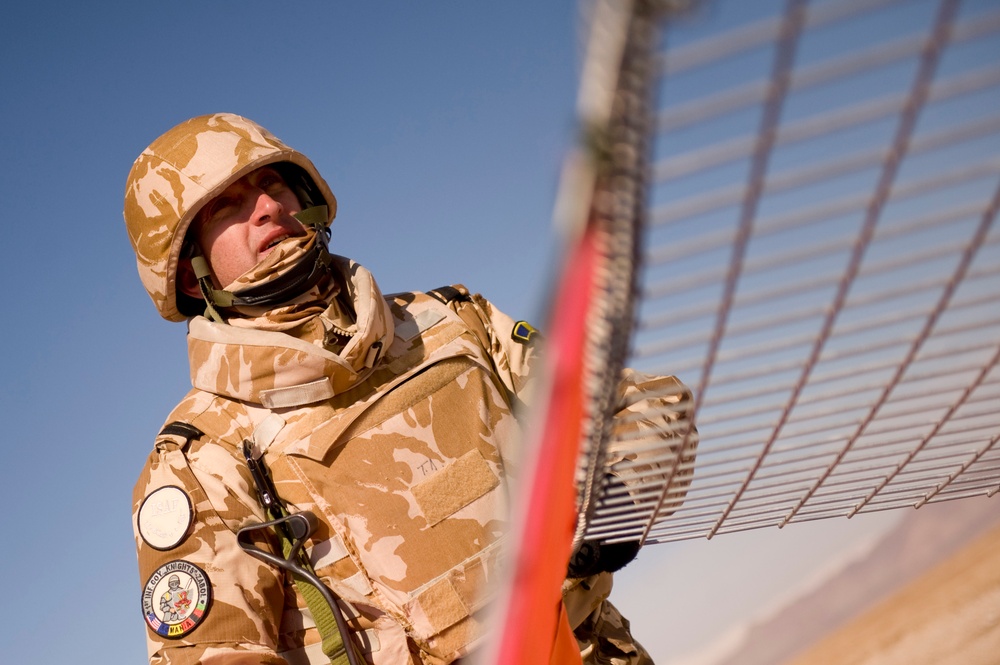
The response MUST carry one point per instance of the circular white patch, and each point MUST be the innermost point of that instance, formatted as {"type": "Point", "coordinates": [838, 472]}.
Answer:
{"type": "Point", "coordinates": [176, 598]}
{"type": "Point", "coordinates": [164, 517]}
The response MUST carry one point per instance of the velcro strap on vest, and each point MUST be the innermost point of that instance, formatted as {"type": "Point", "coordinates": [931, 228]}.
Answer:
{"type": "Point", "coordinates": [306, 393]}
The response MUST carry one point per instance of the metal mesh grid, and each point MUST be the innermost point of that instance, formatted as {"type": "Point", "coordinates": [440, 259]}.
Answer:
{"type": "Point", "coordinates": [822, 263]}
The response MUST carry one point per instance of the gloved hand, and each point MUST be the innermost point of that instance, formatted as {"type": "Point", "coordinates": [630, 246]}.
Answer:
{"type": "Point", "coordinates": [592, 557]}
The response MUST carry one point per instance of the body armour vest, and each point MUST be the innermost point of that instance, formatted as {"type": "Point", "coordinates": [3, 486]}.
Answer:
{"type": "Point", "coordinates": [400, 443]}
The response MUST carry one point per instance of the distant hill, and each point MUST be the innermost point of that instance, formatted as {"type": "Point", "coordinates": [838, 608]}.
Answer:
{"type": "Point", "coordinates": [950, 615]}
{"type": "Point", "coordinates": [923, 539]}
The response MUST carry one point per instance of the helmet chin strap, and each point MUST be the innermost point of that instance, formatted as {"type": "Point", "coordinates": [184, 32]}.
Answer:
{"type": "Point", "coordinates": [309, 270]}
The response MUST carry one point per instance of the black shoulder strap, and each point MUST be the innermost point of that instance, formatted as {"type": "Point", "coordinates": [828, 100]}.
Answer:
{"type": "Point", "coordinates": [452, 293]}
{"type": "Point", "coordinates": [180, 428]}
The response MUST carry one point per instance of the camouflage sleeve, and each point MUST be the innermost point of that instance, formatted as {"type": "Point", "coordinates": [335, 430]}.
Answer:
{"type": "Point", "coordinates": [204, 600]}
{"type": "Point", "coordinates": [652, 423]}
{"type": "Point", "coordinates": [602, 633]}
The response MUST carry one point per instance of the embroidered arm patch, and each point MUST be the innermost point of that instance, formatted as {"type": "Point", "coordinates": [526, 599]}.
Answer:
{"type": "Point", "coordinates": [523, 332]}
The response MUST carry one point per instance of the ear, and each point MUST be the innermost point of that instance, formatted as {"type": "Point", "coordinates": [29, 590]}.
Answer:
{"type": "Point", "coordinates": [187, 283]}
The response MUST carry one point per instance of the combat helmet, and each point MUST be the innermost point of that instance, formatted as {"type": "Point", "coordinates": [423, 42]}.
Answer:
{"type": "Point", "coordinates": [186, 168]}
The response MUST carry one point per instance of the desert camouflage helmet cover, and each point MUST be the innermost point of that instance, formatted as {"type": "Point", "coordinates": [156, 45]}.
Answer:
{"type": "Point", "coordinates": [183, 170]}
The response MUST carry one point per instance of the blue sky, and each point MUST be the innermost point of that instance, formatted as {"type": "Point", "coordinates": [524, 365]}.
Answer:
{"type": "Point", "coordinates": [440, 126]}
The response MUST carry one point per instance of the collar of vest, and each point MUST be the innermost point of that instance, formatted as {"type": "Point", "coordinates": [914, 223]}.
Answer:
{"type": "Point", "coordinates": [277, 370]}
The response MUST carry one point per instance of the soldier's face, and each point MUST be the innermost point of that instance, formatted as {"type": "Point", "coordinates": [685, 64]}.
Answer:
{"type": "Point", "coordinates": [240, 226]}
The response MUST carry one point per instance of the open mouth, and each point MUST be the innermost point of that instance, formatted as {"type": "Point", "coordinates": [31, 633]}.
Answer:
{"type": "Point", "coordinates": [273, 243]}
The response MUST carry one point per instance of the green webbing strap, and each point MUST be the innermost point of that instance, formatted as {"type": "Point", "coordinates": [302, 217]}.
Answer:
{"type": "Point", "coordinates": [333, 642]}
{"type": "Point", "coordinates": [314, 217]}
{"type": "Point", "coordinates": [204, 276]}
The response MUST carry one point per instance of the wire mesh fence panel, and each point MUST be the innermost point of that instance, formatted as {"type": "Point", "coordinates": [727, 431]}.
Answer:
{"type": "Point", "coordinates": [821, 265]}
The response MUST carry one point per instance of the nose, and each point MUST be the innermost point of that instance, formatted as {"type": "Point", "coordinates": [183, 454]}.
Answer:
{"type": "Point", "coordinates": [266, 208]}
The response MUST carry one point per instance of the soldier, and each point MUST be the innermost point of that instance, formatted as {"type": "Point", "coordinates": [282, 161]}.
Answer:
{"type": "Point", "coordinates": [389, 419]}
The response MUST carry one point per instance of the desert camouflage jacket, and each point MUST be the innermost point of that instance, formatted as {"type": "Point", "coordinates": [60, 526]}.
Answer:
{"type": "Point", "coordinates": [400, 445]}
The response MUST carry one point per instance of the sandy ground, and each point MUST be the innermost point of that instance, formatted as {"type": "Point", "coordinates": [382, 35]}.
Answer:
{"type": "Point", "coordinates": [948, 616]}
